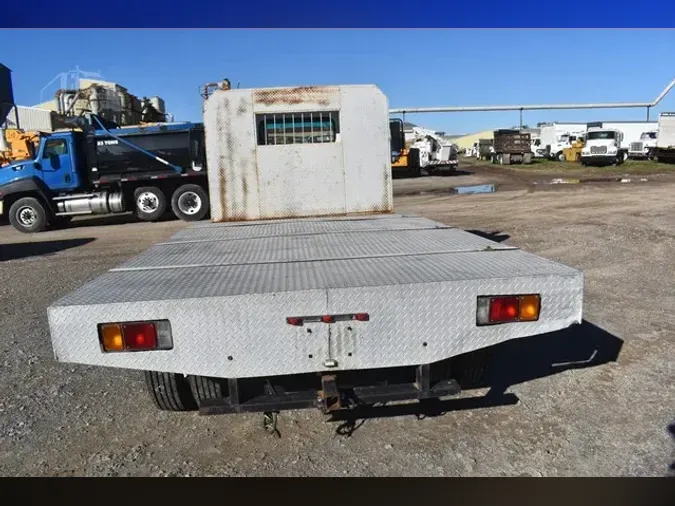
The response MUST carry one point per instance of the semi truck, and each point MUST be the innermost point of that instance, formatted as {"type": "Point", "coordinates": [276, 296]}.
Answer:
{"type": "Point", "coordinates": [644, 147]}
{"type": "Point", "coordinates": [97, 168]}
{"type": "Point", "coordinates": [635, 136]}
{"type": "Point", "coordinates": [511, 146]}
{"type": "Point", "coordinates": [603, 146]}
{"type": "Point", "coordinates": [305, 289]}
{"type": "Point", "coordinates": [665, 143]}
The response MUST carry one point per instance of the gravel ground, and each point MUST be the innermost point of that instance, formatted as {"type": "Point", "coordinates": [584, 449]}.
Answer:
{"type": "Point", "coordinates": [609, 416]}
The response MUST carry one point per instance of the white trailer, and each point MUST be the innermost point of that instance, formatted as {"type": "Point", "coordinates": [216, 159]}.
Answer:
{"type": "Point", "coordinates": [306, 290]}
{"type": "Point", "coordinates": [557, 136]}
{"type": "Point", "coordinates": [665, 143]}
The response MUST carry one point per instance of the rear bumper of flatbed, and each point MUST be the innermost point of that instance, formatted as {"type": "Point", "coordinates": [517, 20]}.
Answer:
{"type": "Point", "coordinates": [228, 289]}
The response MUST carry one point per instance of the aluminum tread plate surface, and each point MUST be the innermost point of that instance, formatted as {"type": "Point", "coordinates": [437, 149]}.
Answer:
{"type": "Point", "coordinates": [222, 232]}
{"type": "Point", "coordinates": [229, 320]}
{"type": "Point", "coordinates": [309, 248]}
{"type": "Point", "coordinates": [235, 280]}
{"type": "Point", "coordinates": [247, 335]}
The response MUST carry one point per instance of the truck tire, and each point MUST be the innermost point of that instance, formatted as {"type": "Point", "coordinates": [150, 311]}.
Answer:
{"type": "Point", "coordinates": [560, 157]}
{"type": "Point", "coordinates": [28, 215]}
{"type": "Point", "coordinates": [170, 391]}
{"type": "Point", "coordinates": [190, 202]}
{"type": "Point", "coordinates": [150, 203]}
{"type": "Point", "coordinates": [204, 388]}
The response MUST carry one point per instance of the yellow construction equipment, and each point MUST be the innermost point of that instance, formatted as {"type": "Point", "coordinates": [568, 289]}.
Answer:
{"type": "Point", "coordinates": [573, 153]}
{"type": "Point", "coordinates": [18, 145]}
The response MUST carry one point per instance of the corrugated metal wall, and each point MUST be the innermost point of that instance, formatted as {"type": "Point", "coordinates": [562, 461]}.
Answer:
{"type": "Point", "coordinates": [29, 118]}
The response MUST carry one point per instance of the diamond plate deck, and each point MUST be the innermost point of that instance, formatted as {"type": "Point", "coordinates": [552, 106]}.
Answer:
{"type": "Point", "coordinates": [227, 289]}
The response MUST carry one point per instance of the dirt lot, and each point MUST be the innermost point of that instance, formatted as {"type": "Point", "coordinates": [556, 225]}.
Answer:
{"type": "Point", "coordinates": [548, 412]}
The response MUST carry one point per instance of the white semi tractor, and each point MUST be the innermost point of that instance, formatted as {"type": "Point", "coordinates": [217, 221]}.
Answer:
{"type": "Point", "coordinates": [632, 136]}
{"type": "Point", "coordinates": [305, 289]}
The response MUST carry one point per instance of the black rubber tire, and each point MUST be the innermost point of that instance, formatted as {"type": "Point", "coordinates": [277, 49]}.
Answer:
{"type": "Point", "coordinates": [161, 203]}
{"type": "Point", "coordinates": [204, 388]}
{"type": "Point", "coordinates": [36, 206]}
{"type": "Point", "coordinates": [200, 192]}
{"type": "Point", "coordinates": [170, 391]}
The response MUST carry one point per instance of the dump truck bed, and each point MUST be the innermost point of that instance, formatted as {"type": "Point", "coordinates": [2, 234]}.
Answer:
{"type": "Point", "coordinates": [228, 288]}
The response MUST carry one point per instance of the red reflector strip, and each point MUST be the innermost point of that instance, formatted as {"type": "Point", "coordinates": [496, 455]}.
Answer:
{"type": "Point", "coordinates": [327, 318]}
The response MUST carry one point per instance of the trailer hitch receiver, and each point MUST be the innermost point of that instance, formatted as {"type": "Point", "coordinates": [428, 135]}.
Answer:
{"type": "Point", "coordinates": [328, 397]}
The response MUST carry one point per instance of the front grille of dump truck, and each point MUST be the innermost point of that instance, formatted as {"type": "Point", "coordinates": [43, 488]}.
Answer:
{"type": "Point", "coordinates": [598, 150]}
{"type": "Point", "coordinates": [636, 146]}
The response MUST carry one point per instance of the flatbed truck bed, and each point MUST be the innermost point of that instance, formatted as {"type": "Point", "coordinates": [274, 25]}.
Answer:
{"type": "Point", "coordinates": [228, 290]}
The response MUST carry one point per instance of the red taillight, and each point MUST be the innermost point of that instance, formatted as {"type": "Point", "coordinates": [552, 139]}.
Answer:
{"type": "Point", "coordinates": [362, 317]}
{"type": "Point", "coordinates": [327, 318]}
{"type": "Point", "coordinates": [136, 336]}
{"type": "Point", "coordinates": [507, 308]}
{"type": "Point", "coordinates": [504, 309]}
{"type": "Point", "coordinates": [139, 336]}
{"type": "Point", "coordinates": [294, 321]}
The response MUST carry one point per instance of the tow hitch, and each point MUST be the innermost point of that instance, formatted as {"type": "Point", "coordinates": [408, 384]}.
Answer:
{"type": "Point", "coordinates": [328, 398]}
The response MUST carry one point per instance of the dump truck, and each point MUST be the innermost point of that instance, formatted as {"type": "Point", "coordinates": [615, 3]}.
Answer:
{"type": "Point", "coordinates": [95, 167]}
{"type": "Point", "coordinates": [305, 289]}
{"type": "Point", "coordinates": [511, 146]}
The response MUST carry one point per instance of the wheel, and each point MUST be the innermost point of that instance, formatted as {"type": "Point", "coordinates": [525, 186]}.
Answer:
{"type": "Point", "coordinates": [170, 391]}
{"type": "Point", "coordinates": [204, 388]}
{"type": "Point", "coordinates": [150, 203]}
{"type": "Point", "coordinates": [560, 157]}
{"type": "Point", "coordinates": [28, 215]}
{"type": "Point", "coordinates": [190, 202]}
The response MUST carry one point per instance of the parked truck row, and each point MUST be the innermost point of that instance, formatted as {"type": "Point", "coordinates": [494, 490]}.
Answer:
{"type": "Point", "coordinates": [595, 143]}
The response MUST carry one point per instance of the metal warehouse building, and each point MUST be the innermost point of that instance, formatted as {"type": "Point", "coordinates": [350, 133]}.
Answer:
{"type": "Point", "coordinates": [467, 141]}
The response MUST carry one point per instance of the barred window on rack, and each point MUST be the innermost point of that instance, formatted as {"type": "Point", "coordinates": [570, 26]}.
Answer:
{"type": "Point", "coordinates": [298, 128]}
